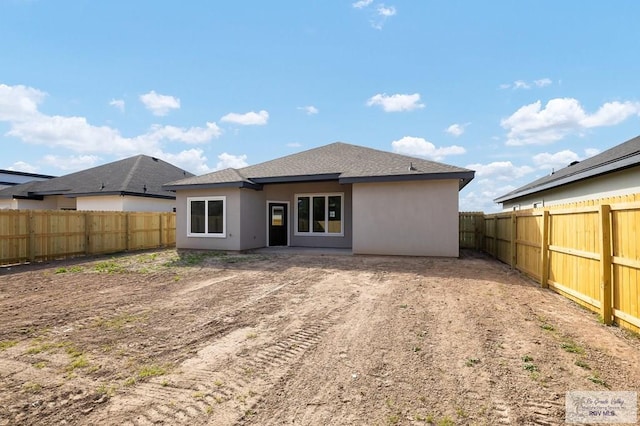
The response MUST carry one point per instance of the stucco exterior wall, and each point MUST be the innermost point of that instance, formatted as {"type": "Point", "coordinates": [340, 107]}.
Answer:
{"type": "Point", "coordinates": [287, 192]}
{"type": "Point", "coordinates": [232, 239]}
{"type": "Point", "coordinates": [406, 218]}
{"type": "Point", "coordinates": [106, 203]}
{"type": "Point", "coordinates": [618, 183]}
{"type": "Point", "coordinates": [147, 204]}
{"type": "Point", "coordinates": [253, 212]}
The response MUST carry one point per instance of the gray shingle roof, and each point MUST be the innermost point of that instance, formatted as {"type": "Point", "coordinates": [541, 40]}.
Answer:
{"type": "Point", "coordinates": [129, 176]}
{"type": "Point", "coordinates": [337, 161]}
{"type": "Point", "coordinates": [619, 157]}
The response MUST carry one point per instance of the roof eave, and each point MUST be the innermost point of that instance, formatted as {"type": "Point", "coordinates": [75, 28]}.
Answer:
{"type": "Point", "coordinates": [463, 177]}
{"type": "Point", "coordinates": [616, 166]}
{"type": "Point", "coordinates": [122, 193]}
{"type": "Point", "coordinates": [297, 178]}
{"type": "Point", "coordinates": [243, 184]}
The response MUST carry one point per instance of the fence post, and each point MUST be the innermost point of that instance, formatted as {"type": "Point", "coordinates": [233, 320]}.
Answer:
{"type": "Point", "coordinates": [162, 218]}
{"type": "Point", "coordinates": [87, 234]}
{"type": "Point", "coordinates": [495, 236]}
{"type": "Point", "coordinates": [544, 250]}
{"type": "Point", "coordinates": [514, 231]}
{"type": "Point", "coordinates": [31, 237]}
{"type": "Point", "coordinates": [606, 299]}
{"type": "Point", "coordinates": [127, 230]}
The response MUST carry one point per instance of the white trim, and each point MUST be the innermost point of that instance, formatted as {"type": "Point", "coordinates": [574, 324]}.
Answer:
{"type": "Point", "coordinates": [326, 211]}
{"type": "Point", "coordinates": [222, 234]}
{"type": "Point", "coordinates": [288, 221]}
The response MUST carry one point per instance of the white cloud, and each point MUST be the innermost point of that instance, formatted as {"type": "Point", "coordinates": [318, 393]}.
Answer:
{"type": "Point", "coordinates": [71, 163]}
{"type": "Point", "coordinates": [234, 161]}
{"type": "Point", "coordinates": [590, 152]}
{"type": "Point", "coordinates": [248, 119]}
{"type": "Point", "coordinates": [525, 85]}
{"type": "Point", "coordinates": [420, 147]}
{"type": "Point", "coordinates": [499, 170]}
{"type": "Point", "coordinates": [19, 107]}
{"type": "Point", "coordinates": [362, 4]}
{"type": "Point", "coordinates": [309, 109]}
{"type": "Point", "coordinates": [19, 103]}
{"type": "Point", "coordinates": [532, 124]}
{"type": "Point", "coordinates": [192, 160]}
{"type": "Point", "coordinates": [397, 102]}
{"type": "Point", "coordinates": [559, 160]}
{"type": "Point", "coordinates": [193, 135]}
{"type": "Point", "coordinates": [159, 105]}
{"type": "Point", "coordinates": [456, 129]}
{"type": "Point", "coordinates": [294, 145]}
{"type": "Point", "coordinates": [386, 11]}
{"type": "Point", "coordinates": [117, 103]}
{"type": "Point", "coordinates": [21, 166]}
{"type": "Point", "coordinates": [543, 82]}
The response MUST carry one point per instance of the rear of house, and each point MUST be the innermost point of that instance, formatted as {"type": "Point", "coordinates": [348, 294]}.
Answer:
{"type": "Point", "coordinates": [336, 196]}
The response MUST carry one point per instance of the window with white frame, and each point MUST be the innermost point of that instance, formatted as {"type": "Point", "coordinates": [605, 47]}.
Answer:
{"type": "Point", "coordinates": [206, 217]}
{"type": "Point", "coordinates": [320, 214]}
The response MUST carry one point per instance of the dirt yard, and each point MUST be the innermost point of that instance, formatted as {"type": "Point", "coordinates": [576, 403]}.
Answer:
{"type": "Point", "coordinates": [162, 338]}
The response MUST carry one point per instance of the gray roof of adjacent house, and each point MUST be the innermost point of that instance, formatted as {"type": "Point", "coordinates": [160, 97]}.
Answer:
{"type": "Point", "coordinates": [337, 161]}
{"type": "Point", "coordinates": [618, 158]}
{"type": "Point", "coordinates": [140, 175]}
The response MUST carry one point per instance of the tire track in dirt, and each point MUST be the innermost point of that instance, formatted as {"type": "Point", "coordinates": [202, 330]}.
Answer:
{"type": "Point", "coordinates": [224, 384]}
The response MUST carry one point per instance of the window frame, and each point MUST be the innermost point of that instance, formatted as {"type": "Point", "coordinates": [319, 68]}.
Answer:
{"type": "Point", "coordinates": [326, 196]}
{"type": "Point", "coordinates": [207, 234]}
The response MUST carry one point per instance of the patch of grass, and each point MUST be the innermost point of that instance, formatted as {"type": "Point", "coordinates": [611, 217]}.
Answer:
{"type": "Point", "coordinates": [527, 358]}
{"type": "Point", "coordinates": [404, 306]}
{"type": "Point", "coordinates": [582, 364]}
{"type": "Point", "coordinates": [598, 381]}
{"type": "Point", "coordinates": [108, 267]}
{"type": "Point", "coordinates": [164, 383]}
{"type": "Point", "coordinates": [530, 367]}
{"type": "Point", "coordinates": [417, 349]}
{"type": "Point", "coordinates": [151, 371]}
{"type": "Point", "coordinates": [64, 269]}
{"type": "Point", "coordinates": [32, 387]}
{"type": "Point", "coordinates": [393, 419]}
{"type": "Point", "coordinates": [6, 344]}
{"type": "Point", "coordinates": [218, 383]}
{"type": "Point", "coordinates": [547, 327]}
{"type": "Point", "coordinates": [130, 381]}
{"type": "Point", "coordinates": [198, 395]}
{"type": "Point", "coordinates": [572, 347]}
{"type": "Point", "coordinates": [109, 391]}
{"type": "Point", "coordinates": [78, 362]}
{"type": "Point", "coordinates": [471, 362]}
{"type": "Point", "coordinates": [118, 322]}
{"type": "Point", "coordinates": [252, 335]}
{"type": "Point", "coordinates": [209, 410]}
{"type": "Point", "coordinates": [445, 421]}
{"type": "Point", "coordinates": [461, 413]}
{"type": "Point", "coordinates": [44, 347]}
{"type": "Point", "coordinates": [40, 365]}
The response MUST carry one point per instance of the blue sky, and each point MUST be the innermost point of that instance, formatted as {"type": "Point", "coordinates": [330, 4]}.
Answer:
{"type": "Point", "coordinates": [511, 89]}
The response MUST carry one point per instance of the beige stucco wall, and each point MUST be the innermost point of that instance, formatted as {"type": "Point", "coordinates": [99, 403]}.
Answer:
{"type": "Point", "coordinates": [106, 203]}
{"type": "Point", "coordinates": [610, 185]}
{"type": "Point", "coordinates": [147, 204]}
{"type": "Point", "coordinates": [417, 218]}
{"type": "Point", "coordinates": [253, 212]}
{"type": "Point", "coordinates": [53, 202]}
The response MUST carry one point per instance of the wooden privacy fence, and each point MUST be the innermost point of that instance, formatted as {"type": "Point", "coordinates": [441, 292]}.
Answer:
{"type": "Point", "coordinates": [588, 252]}
{"type": "Point", "coordinates": [35, 235]}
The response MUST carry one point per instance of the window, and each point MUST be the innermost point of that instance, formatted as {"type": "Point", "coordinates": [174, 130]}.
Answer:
{"type": "Point", "coordinates": [319, 214]}
{"type": "Point", "coordinates": [206, 217]}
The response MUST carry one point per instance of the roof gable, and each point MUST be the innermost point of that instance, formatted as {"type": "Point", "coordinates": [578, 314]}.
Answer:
{"type": "Point", "coordinates": [139, 175]}
{"type": "Point", "coordinates": [619, 157]}
{"type": "Point", "coordinates": [337, 161]}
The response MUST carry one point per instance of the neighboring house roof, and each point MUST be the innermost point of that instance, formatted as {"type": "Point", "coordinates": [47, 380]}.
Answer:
{"type": "Point", "coordinates": [4, 174]}
{"type": "Point", "coordinates": [140, 176]}
{"type": "Point", "coordinates": [618, 158]}
{"type": "Point", "coordinates": [337, 161]}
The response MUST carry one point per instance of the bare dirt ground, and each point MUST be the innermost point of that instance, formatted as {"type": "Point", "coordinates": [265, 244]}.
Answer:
{"type": "Point", "coordinates": [162, 338]}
